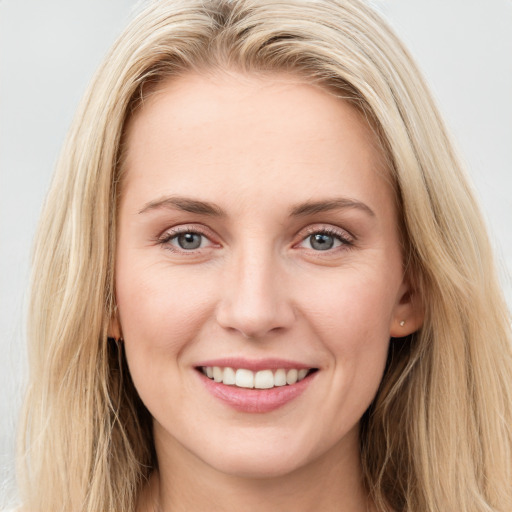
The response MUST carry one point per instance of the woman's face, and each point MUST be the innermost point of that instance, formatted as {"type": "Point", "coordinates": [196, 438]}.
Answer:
{"type": "Point", "coordinates": [257, 233]}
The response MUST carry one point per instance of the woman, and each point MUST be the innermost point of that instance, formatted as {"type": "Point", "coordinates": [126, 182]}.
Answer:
{"type": "Point", "coordinates": [255, 198]}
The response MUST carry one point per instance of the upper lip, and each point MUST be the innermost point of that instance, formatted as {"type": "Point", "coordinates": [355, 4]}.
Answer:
{"type": "Point", "coordinates": [254, 364]}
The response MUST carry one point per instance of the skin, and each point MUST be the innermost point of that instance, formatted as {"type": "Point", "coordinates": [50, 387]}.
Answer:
{"type": "Point", "coordinates": [259, 149]}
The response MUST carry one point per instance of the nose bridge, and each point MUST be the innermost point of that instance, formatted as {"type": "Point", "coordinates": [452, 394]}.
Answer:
{"type": "Point", "coordinates": [254, 300]}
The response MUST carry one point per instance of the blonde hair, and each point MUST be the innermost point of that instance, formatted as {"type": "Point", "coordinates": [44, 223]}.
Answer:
{"type": "Point", "coordinates": [438, 434]}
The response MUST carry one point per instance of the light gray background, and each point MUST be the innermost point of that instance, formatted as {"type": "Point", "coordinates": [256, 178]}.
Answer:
{"type": "Point", "coordinates": [50, 49]}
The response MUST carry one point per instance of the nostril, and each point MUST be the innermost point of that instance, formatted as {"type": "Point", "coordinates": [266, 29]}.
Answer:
{"type": "Point", "coordinates": [255, 322]}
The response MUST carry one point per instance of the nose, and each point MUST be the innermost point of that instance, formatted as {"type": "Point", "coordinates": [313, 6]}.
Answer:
{"type": "Point", "coordinates": [254, 299]}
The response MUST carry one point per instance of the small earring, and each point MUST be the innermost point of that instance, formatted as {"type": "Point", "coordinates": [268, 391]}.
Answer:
{"type": "Point", "coordinates": [402, 323]}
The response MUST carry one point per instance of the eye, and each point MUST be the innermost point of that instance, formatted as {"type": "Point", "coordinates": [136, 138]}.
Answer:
{"type": "Point", "coordinates": [184, 240]}
{"type": "Point", "coordinates": [188, 241]}
{"type": "Point", "coordinates": [325, 240]}
{"type": "Point", "coordinates": [322, 241]}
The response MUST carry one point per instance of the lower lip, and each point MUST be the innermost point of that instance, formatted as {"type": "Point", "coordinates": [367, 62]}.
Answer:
{"type": "Point", "coordinates": [256, 400]}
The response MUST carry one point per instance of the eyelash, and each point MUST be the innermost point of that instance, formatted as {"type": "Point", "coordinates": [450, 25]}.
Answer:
{"type": "Point", "coordinates": [346, 240]}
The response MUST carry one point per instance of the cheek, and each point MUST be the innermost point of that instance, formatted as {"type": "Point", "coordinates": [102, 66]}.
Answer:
{"type": "Point", "coordinates": [351, 306]}
{"type": "Point", "coordinates": [160, 307]}
{"type": "Point", "coordinates": [161, 311]}
{"type": "Point", "coordinates": [354, 327]}
{"type": "Point", "coordinates": [351, 317]}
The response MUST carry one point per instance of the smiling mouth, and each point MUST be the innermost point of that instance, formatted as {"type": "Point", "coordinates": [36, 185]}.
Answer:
{"type": "Point", "coordinates": [263, 379]}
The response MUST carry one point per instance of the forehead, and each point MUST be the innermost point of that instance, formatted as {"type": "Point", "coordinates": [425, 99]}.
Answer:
{"type": "Point", "coordinates": [261, 133]}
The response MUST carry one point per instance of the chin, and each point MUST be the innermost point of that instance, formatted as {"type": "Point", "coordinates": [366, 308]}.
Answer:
{"type": "Point", "coordinates": [257, 467]}
{"type": "Point", "coordinates": [259, 461]}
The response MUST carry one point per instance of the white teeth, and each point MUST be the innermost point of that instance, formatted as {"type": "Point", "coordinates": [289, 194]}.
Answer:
{"type": "Point", "coordinates": [229, 376]}
{"type": "Point", "coordinates": [244, 378]}
{"type": "Point", "coordinates": [301, 374]}
{"type": "Point", "coordinates": [217, 374]}
{"type": "Point", "coordinates": [291, 376]}
{"type": "Point", "coordinates": [263, 379]}
{"type": "Point", "coordinates": [280, 377]}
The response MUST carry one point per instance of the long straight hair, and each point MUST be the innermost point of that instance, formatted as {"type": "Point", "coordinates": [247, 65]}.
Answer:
{"type": "Point", "coordinates": [437, 436]}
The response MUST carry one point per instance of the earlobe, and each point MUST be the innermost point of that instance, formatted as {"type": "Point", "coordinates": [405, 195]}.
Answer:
{"type": "Point", "coordinates": [408, 315]}
{"type": "Point", "coordinates": [402, 328]}
{"type": "Point", "coordinates": [114, 327]}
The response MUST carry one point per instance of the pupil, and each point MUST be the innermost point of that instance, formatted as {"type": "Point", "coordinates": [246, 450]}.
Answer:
{"type": "Point", "coordinates": [189, 241]}
{"type": "Point", "coordinates": [322, 242]}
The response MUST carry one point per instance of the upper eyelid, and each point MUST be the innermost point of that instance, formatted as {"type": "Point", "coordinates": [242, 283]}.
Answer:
{"type": "Point", "coordinates": [325, 228]}
{"type": "Point", "coordinates": [186, 228]}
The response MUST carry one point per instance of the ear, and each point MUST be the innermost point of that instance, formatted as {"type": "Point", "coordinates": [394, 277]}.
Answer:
{"type": "Point", "coordinates": [114, 327]}
{"type": "Point", "coordinates": [409, 313]}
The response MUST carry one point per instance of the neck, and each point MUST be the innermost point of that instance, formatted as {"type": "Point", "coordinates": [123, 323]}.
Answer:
{"type": "Point", "coordinates": [184, 484]}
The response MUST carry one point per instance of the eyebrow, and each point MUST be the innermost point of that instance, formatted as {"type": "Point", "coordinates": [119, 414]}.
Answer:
{"type": "Point", "coordinates": [210, 209]}
{"type": "Point", "coordinates": [312, 207]}
{"type": "Point", "coordinates": [185, 204]}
